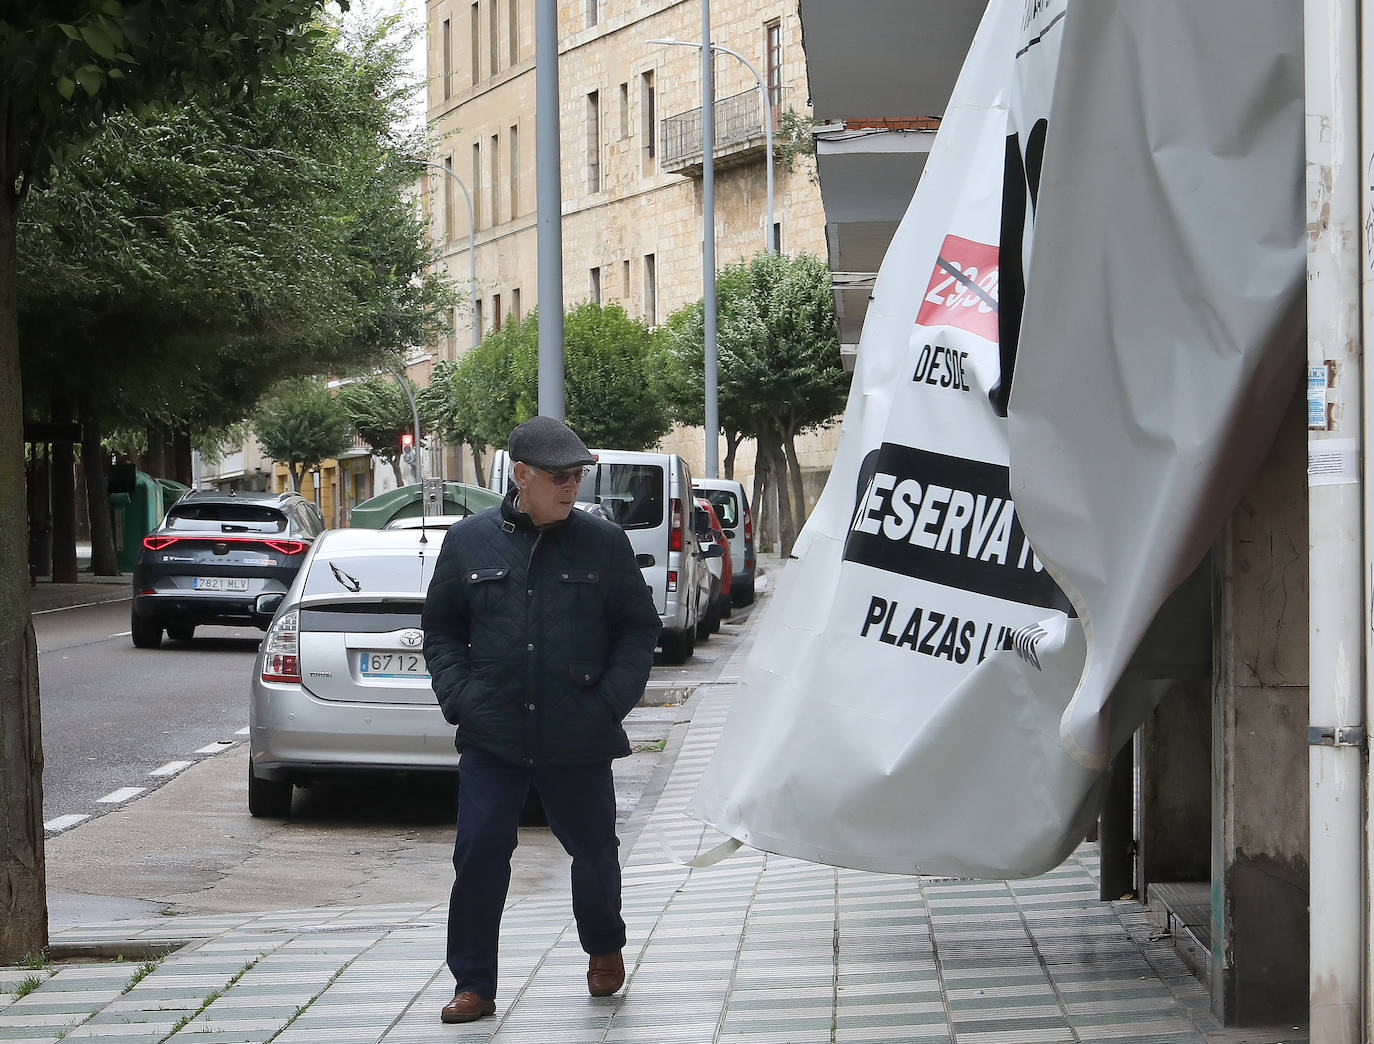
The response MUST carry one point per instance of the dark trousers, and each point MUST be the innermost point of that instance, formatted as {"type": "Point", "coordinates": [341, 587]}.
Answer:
{"type": "Point", "coordinates": [579, 801]}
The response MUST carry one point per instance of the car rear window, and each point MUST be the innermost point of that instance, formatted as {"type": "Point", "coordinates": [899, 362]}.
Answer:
{"type": "Point", "coordinates": [726, 505]}
{"type": "Point", "coordinates": [370, 617]}
{"type": "Point", "coordinates": [632, 494]}
{"type": "Point", "coordinates": [226, 518]}
{"type": "Point", "coordinates": [363, 574]}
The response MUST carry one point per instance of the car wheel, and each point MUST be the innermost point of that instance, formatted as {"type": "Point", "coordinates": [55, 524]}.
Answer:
{"type": "Point", "coordinates": [147, 634]}
{"type": "Point", "coordinates": [182, 632]}
{"type": "Point", "coordinates": [723, 609]}
{"type": "Point", "coordinates": [742, 593]}
{"type": "Point", "coordinates": [268, 797]}
{"type": "Point", "coordinates": [677, 645]}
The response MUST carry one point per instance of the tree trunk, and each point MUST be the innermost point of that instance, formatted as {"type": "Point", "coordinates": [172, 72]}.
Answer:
{"type": "Point", "coordinates": [297, 473]}
{"type": "Point", "coordinates": [732, 444]}
{"type": "Point", "coordinates": [396, 470]}
{"type": "Point", "coordinates": [777, 466]}
{"type": "Point", "coordinates": [763, 513]}
{"type": "Point", "coordinates": [93, 459]}
{"type": "Point", "coordinates": [39, 476]}
{"type": "Point", "coordinates": [794, 472]}
{"type": "Point", "coordinates": [23, 892]}
{"type": "Point", "coordinates": [153, 460]}
{"type": "Point", "coordinates": [477, 466]}
{"type": "Point", "coordinates": [179, 459]}
{"type": "Point", "coordinates": [63, 513]}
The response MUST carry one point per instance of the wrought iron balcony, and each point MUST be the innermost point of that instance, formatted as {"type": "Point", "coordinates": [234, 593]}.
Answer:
{"type": "Point", "coordinates": [739, 135]}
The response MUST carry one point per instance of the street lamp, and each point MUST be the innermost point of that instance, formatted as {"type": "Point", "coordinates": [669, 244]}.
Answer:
{"type": "Point", "coordinates": [472, 240]}
{"type": "Point", "coordinates": [670, 41]}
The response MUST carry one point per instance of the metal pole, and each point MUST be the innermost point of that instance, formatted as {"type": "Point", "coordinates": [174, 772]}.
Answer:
{"type": "Point", "coordinates": [708, 251]}
{"type": "Point", "coordinates": [549, 201]}
{"type": "Point", "coordinates": [1335, 527]}
{"type": "Point", "coordinates": [472, 242]}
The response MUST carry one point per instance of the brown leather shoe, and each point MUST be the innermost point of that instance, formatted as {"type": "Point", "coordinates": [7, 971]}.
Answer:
{"type": "Point", "coordinates": [605, 974]}
{"type": "Point", "coordinates": [467, 1007]}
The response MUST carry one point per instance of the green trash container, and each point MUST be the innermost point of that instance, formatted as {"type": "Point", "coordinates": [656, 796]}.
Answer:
{"type": "Point", "coordinates": [460, 498]}
{"type": "Point", "coordinates": [135, 513]}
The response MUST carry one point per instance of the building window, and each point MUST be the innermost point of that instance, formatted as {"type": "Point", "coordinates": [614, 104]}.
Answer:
{"type": "Point", "coordinates": [450, 224]}
{"type": "Point", "coordinates": [777, 236]}
{"type": "Point", "coordinates": [494, 159]}
{"type": "Point", "coordinates": [624, 111]}
{"type": "Point", "coordinates": [476, 185]}
{"type": "Point", "coordinates": [649, 130]}
{"type": "Point", "coordinates": [591, 13]}
{"type": "Point", "coordinates": [594, 141]}
{"type": "Point", "coordinates": [513, 31]}
{"type": "Point", "coordinates": [476, 34]}
{"type": "Point", "coordinates": [514, 172]}
{"type": "Point", "coordinates": [477, 316]}
{"type": "Point", "coordinates": [448, 58]}
{"type": "Point", "coordinates": [594, 291]}
{"type": "Point", "coordinates": [625, 275]}
{"type": "Point", "coordinates": [515, 305]}
{"type": "Point", "coordinates": [493, 13]}
{"type": "Point", "coordinates": [772, 57]}
{"type": "Point", "coordinates": [495, 312]}
{"type": "Point", "coordinates": [650, 290]}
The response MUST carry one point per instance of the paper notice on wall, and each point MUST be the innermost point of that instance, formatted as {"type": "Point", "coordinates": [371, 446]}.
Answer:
{"type": "Point", "coordinates": [1333, 462]}
{"type": "Point", "coordinates": [909, 705]}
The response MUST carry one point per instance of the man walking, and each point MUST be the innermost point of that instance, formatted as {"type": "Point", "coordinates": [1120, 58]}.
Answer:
{"type": "Point", "coordinates": [539, 635]}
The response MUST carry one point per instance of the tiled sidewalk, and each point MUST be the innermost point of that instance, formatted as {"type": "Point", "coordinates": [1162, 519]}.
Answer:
{"type": "Point", "coordinates": [757, 949]}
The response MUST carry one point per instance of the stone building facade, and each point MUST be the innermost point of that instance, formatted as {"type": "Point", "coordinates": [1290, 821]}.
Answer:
{"type": "Point", "coordinates": [632, 221]}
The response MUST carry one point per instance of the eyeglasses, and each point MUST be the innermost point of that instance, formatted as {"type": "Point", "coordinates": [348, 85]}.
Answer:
{"type": "Point", "coordinates": [562, 478]}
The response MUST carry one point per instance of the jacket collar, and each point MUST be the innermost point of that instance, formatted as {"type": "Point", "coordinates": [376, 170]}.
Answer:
{"type": "Point", "coordinates": [512, 518]}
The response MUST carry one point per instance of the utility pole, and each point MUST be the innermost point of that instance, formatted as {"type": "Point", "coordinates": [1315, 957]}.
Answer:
{"type": "Point", "coordinates": [708, 234]}
{"type": "Point", "coordinates": [549, 201]}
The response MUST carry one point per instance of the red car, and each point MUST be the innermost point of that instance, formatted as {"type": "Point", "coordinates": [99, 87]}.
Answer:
{"type": "Point", "coordinates": [709, 529]}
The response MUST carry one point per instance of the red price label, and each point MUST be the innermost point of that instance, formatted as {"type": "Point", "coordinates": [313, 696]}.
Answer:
{"type": "Point", "coordinates": [963, 288]}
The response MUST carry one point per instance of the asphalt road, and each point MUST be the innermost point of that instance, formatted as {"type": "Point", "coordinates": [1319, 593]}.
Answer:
{"type": "Point", "coordinates": [113, 714]}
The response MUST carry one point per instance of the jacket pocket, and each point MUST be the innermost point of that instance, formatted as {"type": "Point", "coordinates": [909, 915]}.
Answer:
{"type": "Point", "coordinates": [486, 574]}
{"type": "Point", "coordinates": [585, 675]}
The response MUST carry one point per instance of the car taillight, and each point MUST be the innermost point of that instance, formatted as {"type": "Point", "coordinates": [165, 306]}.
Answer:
{"type": "Point", "coordinates": [675, 525]}
{"type": "Point", "coordinates": [672, 580]}
{"type": "Point", "coordinates": [157, 543]}
{"type": "Point", "coordinates": [748, 525]}
{"type": "Point", "coordinates": [280, 662]}
{"type": "Point", "coordinates": [287, 547]}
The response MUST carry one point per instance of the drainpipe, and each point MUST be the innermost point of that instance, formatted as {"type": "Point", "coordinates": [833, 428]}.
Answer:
{"type": "Point", "coordinates": [1335, 524]}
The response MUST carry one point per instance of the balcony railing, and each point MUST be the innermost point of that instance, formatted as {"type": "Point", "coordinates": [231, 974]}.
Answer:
{"type": "Point", "coordinates": [739, 134]}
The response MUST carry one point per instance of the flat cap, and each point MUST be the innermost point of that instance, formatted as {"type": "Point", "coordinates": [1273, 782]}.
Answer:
{"type": "Point", "coordinates": [549, 444]}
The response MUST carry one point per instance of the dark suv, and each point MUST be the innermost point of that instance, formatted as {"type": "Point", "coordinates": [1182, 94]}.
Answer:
{"type": "Point", "coordinates": [213, 555]}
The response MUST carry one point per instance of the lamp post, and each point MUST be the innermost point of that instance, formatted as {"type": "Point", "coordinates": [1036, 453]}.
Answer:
{"type": "Point", "coordinates": [548, 186]}
{"type": "Point", "coordinates": [768, 243]}
{"type": "Point", "coordinates": [472, 241]}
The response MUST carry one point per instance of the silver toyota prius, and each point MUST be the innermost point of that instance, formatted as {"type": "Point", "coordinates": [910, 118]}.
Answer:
{"type": "Point", "coordinates": [340, 682]}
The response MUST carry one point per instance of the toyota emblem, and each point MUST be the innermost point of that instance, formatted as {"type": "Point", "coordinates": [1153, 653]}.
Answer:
{"type": "Point", "coordinates": [412, 639]}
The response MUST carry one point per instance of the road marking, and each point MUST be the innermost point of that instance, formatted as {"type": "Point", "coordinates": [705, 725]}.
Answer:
{"type": "Point", "coordinates": [62, 822]}
{"type": "Point", "coordinates": [82, 605]}
{"type": "Point", "coordinates": [216, 747]}
{"type": "Point", "coordinates": [118, 797]}
{"type": "Point", "coordinates": [170, 769]}
{"type": "Point", "coordinates": [242, 732]}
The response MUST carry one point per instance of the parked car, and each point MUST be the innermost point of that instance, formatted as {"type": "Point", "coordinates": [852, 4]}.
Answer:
{"type": "Point", "coordinates": [732, 510]}
{"type": "Point", "coordinates": [340, 683]}
{"type": "Point", "coordinates": [211, 557]}
{"type": "Point", "coordinates": [649, 495]}
{"type": "Point", "coordinates": [709, 531]}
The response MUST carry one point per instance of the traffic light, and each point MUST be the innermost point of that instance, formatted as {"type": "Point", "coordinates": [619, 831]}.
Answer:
{"type": "Point", "coordinates": [407, 446]}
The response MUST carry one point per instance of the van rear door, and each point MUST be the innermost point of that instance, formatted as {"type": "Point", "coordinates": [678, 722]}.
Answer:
{"type": "Point", "coordinates": [635, 496]}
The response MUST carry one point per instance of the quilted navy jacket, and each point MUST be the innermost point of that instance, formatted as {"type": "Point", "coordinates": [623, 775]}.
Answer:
{"type": "Point", "coordinates": [539, 642]}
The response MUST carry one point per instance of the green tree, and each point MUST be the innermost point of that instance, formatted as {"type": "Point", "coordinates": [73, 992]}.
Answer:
{"type": "Point", "coordinates": [609, 396]}
{"type": "Point", "coordinates": [301, 424]}
{"type": "Point", "coordinates": [247, 239]}
{"type": "Point", "coordinates": [64, 66]}
{"type": "Point", "coordinates": [379, 412]}
{"type": "Point", "coordinates": [779, 370]}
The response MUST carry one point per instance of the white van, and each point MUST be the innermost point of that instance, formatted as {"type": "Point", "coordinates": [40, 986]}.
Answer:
{"type": "Point", "coordinates": [732, 509]}
{"type": "Point", "coordinates": [649, 495]}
